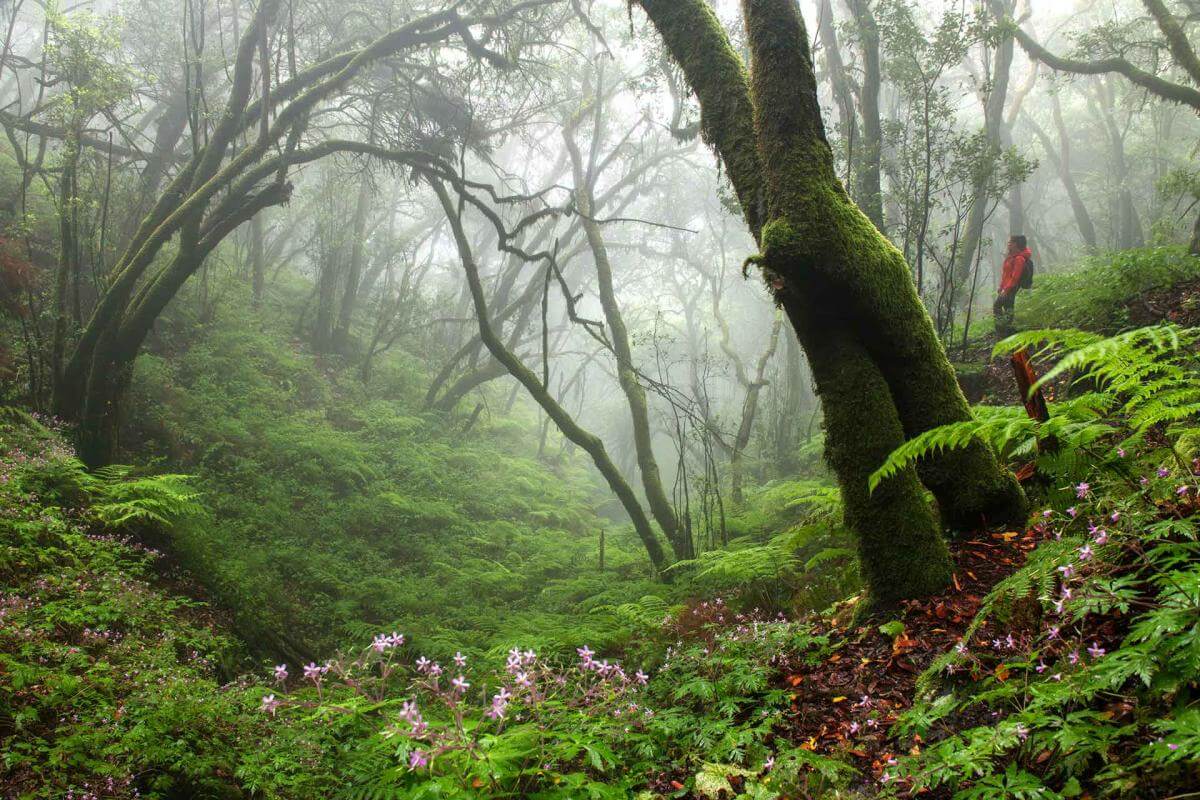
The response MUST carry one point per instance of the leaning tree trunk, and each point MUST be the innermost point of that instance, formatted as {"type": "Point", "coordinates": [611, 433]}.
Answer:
{"type": "Point", "coordinates": [880, 371]}
{"type": "Point", "coordinates": [540, 392]}
{"type": "Point", "coordinates": [660, 504]}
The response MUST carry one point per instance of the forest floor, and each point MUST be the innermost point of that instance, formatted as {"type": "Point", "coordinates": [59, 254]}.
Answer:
{"type": "Point", "coordinates": [844, 706]}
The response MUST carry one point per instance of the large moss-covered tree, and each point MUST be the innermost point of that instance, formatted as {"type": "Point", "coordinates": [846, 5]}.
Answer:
{"type": "Point", "coordinates": [238, 166]}
{"type": "Point", "coordinates": [879, 368]}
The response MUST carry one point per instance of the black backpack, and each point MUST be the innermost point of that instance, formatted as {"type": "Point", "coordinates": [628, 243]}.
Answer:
{"type": "Point", "coordinates": [1026, 281]}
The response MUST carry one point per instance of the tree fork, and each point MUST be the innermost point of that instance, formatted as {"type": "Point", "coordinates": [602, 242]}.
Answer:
{"type": "Point", "coordinates": [825, 232]}
{"type": "Point", "coordinates": [871, 273]}
{"type": "Point", "coordinates": [587, 441]}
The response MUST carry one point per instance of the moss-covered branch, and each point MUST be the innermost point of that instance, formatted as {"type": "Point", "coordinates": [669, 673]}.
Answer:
{"type": "Point", "coordinates": [1167, 90]}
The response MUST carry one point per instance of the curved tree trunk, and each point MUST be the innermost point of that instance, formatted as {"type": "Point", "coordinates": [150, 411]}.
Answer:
{"type": "Point", "coordinates": [661, 507]}
{"type": "Point", "coordinates": [587, 441]}
{"type": "Point", "coordinates": [880, 370]}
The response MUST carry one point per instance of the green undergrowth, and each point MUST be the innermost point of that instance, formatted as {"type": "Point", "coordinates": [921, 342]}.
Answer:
{"type": "Point", "coordinates": [110, 672]}
{"type": "Point", "coordinates": [1080, 677]}
{"type": "Point", "coordinates": [108, 683]}
{"type": "Point", "coordinates": [1097, 294]}
{"type": "Point", "coordinates": [114, 684]}
{"type": "Point", "coordinates": [334, 508]}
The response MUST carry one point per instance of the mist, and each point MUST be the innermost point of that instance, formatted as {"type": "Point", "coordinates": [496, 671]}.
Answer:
{"type": "Point", "coordinates": [522, 398]}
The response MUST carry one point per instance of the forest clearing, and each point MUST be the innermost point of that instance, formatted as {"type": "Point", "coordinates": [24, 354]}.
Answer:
{"type": "Point", "coordinates": [556, 399]}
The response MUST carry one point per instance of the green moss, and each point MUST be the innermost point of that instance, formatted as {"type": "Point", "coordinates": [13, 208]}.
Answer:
{"type": "Point", "coordinates": [901, 551]}
{"type": "Point", "coordinates": [818, 228]}
{"type": "Point", "coordinates": [781, 241]}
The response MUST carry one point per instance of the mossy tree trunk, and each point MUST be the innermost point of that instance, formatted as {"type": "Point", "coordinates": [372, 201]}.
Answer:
{"type": "Point", "coordinates": [879, 368]}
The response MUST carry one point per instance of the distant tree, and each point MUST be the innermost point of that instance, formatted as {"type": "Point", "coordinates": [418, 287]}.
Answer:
{"type": "Point", "coordinates": [1106, 55]}
{"type": "Point", "coordinates": [238, 165]}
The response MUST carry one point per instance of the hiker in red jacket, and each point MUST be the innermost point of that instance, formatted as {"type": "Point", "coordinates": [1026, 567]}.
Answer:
{"type": "Point", "coordinates": [1016, 275]}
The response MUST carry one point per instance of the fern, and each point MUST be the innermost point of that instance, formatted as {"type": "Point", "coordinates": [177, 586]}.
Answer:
{"type": "Point", "coordinates": [120, 500]}
{"type": "Point", "coordinates": [1147, 379]}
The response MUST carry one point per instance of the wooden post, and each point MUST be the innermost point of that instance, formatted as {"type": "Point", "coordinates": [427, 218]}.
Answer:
{"type": "Point", "coordinates": [1035, 401]}
{"type": "Point", "coordinates": [1035, 406]}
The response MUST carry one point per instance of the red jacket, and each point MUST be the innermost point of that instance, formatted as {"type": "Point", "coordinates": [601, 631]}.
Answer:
{"type": "Point", "coordinates": [1014, 265]}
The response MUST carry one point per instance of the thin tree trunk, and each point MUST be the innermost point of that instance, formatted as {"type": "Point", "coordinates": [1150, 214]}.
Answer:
{"type": "Point", "coordinates": [1060, 158]}
{"type": "Point", "coordinates": [660, 504]}
{"type": "Point", "coordinates": [839, 80]}
{"type": "Point", "coordinates": [68, 258]}
{"type": "Point", "coordinates": [571, 430]}
{"type": "Point", "coordinates": [1127, 225]}
{"type": "Point", "coordinates": [869, 194]}
{"type": "Point", "coordinates": [258, 264]}
{"type": "Point", "coordinates": [993, 128]}
{"type": "Point", "coordinates": [358, 228]}
{"type": "Point", "coordinates": [749, 411]}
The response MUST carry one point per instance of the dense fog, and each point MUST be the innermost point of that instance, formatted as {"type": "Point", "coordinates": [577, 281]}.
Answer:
{"type": "Point", "coordinates": [567, 307]}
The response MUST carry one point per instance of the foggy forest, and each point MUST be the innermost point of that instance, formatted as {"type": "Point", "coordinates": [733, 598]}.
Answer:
{"type": "Point", "coordinates": [595, 399]}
